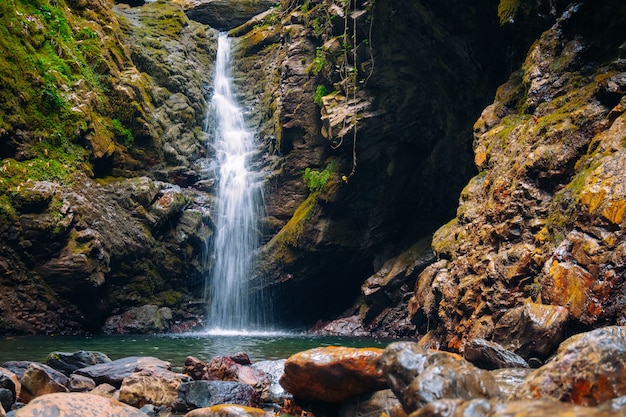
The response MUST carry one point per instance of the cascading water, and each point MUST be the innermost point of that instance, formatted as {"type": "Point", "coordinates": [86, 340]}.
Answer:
{"type": "Point", "coordinates": [239, 203]}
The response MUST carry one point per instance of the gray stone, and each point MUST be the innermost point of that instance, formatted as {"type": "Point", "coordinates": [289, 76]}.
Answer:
{"type": "Point", "coordinates": [199, 394]}
{"type": "Point", "coordinates": [69, 362]}
{"type": "Point", "coordinates": [115, 371]}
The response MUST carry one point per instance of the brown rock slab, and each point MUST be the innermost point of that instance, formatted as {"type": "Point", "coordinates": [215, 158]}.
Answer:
{"type": "Point", "coordinates": [77, 404]}
{"type": "Point", "coordinates": [227, 410]}
{"type": "Point", "coordinates": [332, 373]}
{"type": "Point", "coordinates": [151, 386]}
{"type": "Point", "coordinates": [40, 379]}
{"type": "Point", "coordinates": [589, 369]}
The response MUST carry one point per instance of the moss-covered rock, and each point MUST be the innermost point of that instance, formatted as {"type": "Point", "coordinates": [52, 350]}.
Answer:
{"type": "Point", "coordinates": [543, 219]}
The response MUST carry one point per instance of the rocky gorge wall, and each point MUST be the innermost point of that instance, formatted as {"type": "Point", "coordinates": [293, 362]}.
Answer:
{"type": "Point", "coordinates": [368, 118]}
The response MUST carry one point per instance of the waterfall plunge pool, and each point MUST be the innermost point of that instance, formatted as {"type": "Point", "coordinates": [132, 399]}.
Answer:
{"type": "Point", "coordinates": [176, 347]}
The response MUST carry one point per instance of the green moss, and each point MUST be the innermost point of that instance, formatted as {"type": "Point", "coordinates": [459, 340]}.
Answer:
{"type": "Point", "coordinates": [316, 180]}
{"type": "Point", "coordinates": [507, 9]}
{"type": "Point", "coordinates": [124, 135]}
{"type": "Point", "coordinates": [320, 92]}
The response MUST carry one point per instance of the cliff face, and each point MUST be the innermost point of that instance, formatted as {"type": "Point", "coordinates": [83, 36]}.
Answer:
{"type": "Point", "coordinates": [544, 218]}
{"type": "Point", "coordinates": [372, 118]}
{"type": "Point", "coordinates": [365, 110]}
{"type": "Point", "coordinates": [101, 110]}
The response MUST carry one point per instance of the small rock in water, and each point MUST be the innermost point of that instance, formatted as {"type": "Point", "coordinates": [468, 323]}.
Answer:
{"type": "Point", "coordinates": [69, 362]}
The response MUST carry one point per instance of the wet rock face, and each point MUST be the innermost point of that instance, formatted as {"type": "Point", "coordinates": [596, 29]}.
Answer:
{"type": "Point", "coordinates": [224, 14]}
{"type": "Point", "coordinates": [90, 249]}
{"type": "Point", "coordinates": [340, 236]}
{"type": "Point", "coordinates": [543, 219]}
{"type": "Point", "coordinates": [74, 251]}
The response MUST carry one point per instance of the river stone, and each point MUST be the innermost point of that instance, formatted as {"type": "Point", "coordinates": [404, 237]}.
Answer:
{"type": "Point", "coordinates": [17, 367]}
{"type": "Point", "coordinates": [532, 329]}
{"type": "Point", "coordinates": [77, 404]}
{"type": "Point", "coordinates": [106, 390]}
{"type": "Point", "coordinates": [332, 373]}
{"type": "Point", "coordinates": [40, 379]}
{"type": "Point", "coordinates": [526, 408]}
{"type": "Point", "coordinates": [195, 368]}
{"type": "Point", "coordinates": [588, 369]}
{"type": "Point", "coordinates": [79, 383]}
{"type": "Point", "coordinates": [69, 362]}
{"type": "Point", "coordinates": [115, 371]}
{"type": "Point", "coordinates": [151, 386]}
{"type": "Point", "coordinates": [199, 394]}
{"type": "Point", "coordinates": [374, 404]}
{"type": "Point", "coordinates": [10, 381]}
{"type": "Point", "coordinates": [222, 368]}
{"type": "Point", "coordinates": [490, 355]}
{"type": "Point", "coordinates": [418, 376]}
{"type": "Point", "coordinates": [275, 393]}
{"type": "Point", "coordinates": [6, 399]}
{"type": "Point", "coordinates": [228, 410]}
{"type": "Point", "coordinates": [140, 320]}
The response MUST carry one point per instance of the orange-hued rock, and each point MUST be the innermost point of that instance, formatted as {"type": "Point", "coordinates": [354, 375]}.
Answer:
{"type": "Point", "coordinates": [228, 410]}
{"type": "Point", "coordinates": [589, 369]}
{"type": "Point", "coordinates": [77, 404]}
{"type": "Point", "coordinates": [333, 374]}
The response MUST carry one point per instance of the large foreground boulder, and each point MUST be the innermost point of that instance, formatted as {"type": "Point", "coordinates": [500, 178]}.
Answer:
{"type": "Point", "coordinates": [589, 369]}
{"type": "Point", "coordinates": [228, 410]}
{"type": "Point", "coordinates": [419, 376]}
{"type": "Point", "coordinates": [77, 404]}
{"type": "Point", "coordinates": [526, 408]}
{"type": "Point", "coordinates": [333, 374]}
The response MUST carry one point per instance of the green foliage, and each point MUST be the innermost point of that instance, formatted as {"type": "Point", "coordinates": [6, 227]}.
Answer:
{"type": "Point", "coordinates": [320, 92]}
{"type": "Point", "coordinates": [316, 180]}
{"type": "Point", "coordinates": [124, 134]}
{"type": "Point", "coordinates": [319, 62]}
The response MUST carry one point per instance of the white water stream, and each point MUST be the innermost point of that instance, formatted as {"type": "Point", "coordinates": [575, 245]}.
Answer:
{"type": "Point", "coordinates": [239, 204]}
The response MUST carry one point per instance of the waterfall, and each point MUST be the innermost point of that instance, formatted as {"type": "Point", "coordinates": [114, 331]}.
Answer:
{"type": "Point", "coordinates": [239, 203]}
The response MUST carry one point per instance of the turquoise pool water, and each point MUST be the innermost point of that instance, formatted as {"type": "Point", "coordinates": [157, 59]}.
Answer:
{"type": "Point", "coordinates": [175, 348]}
